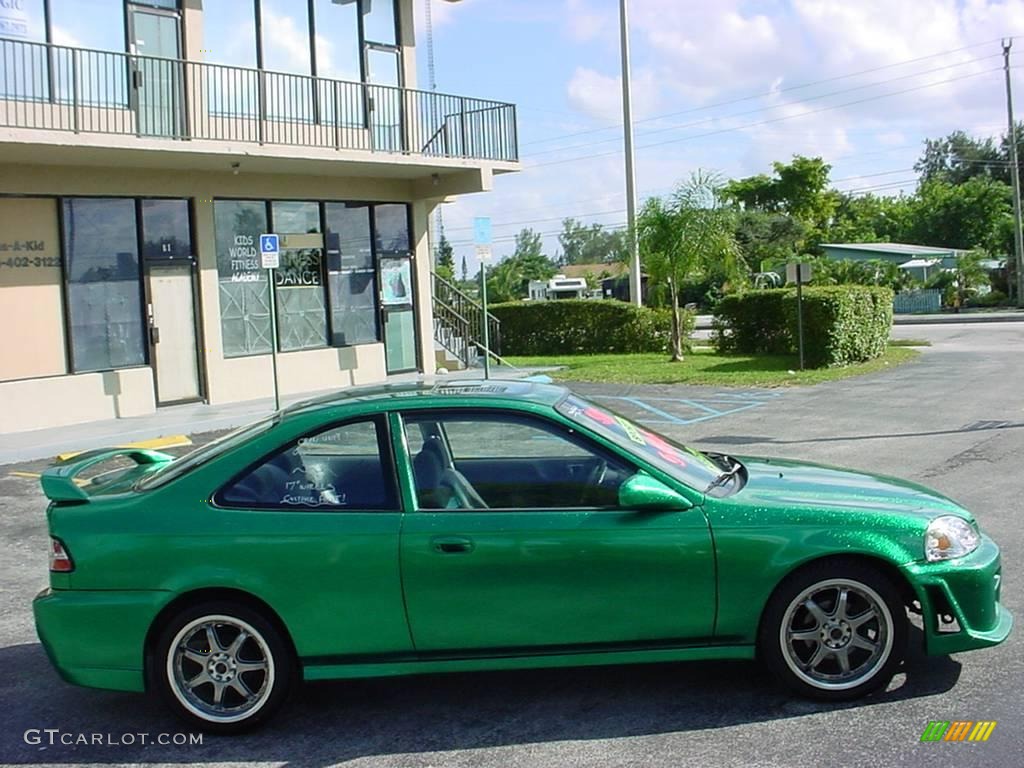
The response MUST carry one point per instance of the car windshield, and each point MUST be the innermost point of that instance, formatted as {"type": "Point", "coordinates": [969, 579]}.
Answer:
{"type": "Point", "coordinates": [689, 466]}
{"type": "Point", "coordinates": [205, 453]}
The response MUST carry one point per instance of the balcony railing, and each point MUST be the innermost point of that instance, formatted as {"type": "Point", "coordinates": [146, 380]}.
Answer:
{"type": "Point", "coordinates": [57, 88]}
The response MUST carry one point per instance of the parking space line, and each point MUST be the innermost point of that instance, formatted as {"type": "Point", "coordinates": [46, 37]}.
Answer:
{"type": "Point", "coordinates": [712, 407]}
{"type": "Point", "coordinates": [651, 409]}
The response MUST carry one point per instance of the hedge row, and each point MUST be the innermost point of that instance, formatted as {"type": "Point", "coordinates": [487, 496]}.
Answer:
{"type": "Point", "coordinates": [586, 326]}
{"type": "Point", "coordinates": [842, 324]}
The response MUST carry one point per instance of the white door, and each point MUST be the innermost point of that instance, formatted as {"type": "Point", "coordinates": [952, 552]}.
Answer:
{"type": "Point", "coordinates": [173, 333]}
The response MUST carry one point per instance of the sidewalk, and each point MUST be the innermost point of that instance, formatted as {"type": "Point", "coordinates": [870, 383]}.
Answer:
{"type": "Point", "coordinates": [174, 420]}
{"type": "Point", "coordinates": [704, 322]}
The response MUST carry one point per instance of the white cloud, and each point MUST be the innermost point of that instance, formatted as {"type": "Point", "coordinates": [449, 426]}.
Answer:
{"type": "Point", "coordinates": [586, 24]}
{"type": "Point", "coordinates": [600, 96]}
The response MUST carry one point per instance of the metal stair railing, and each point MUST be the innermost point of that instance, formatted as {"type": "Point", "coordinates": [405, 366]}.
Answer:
{"type": "Point", "coordinates": [458, 322]}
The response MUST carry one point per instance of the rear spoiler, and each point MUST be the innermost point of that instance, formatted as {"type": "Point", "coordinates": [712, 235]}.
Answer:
{"type": "Point", "coordinates": [59, 482]}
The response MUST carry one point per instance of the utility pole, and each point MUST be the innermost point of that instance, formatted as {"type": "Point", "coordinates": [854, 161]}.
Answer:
{"type": "Point", "coordinates": [1018, 236]}
{"type": "Point", "coordinates": [635, 279]}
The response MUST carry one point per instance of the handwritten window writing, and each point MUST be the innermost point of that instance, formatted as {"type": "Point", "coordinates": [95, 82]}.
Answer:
{"type": "Point", "coordinates": [339, 468]}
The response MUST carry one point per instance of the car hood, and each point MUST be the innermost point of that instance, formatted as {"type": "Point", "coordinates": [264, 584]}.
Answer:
{"type": "Point", "coordinates": [780, 482]}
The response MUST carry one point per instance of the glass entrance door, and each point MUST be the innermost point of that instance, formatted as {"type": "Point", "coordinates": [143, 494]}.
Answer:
{"type": "Point", "coordinates": [399, 310]}
{"type": "Point", "coordinates": [157, 75]}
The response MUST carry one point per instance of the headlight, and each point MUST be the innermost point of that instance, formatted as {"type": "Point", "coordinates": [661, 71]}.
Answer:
{"type": "Point", "coordinates": [948, 537]}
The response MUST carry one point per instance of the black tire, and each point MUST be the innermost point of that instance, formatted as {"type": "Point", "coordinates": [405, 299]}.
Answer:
{"type": "Point", "coordinates": [807, 629]}
{"type": "Point", "coordinates": [227, 666]}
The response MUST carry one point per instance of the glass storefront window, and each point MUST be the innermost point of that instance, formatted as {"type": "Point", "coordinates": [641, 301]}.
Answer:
{"type": "Point", "coordinates": [301, 307]}
{"type": "Point", "coordinates": [391, 223]}
{"type": "Point", "coordinates": [244, 290]}
{"type": "Point", "coordinates": [95, 24]}
{"type": "Point", "coordinates": [92, 24]}
{"type": "Point", "coordinates": [229, 37]}
{"type": "Point", "coordinates": [23, 20]}
{"type": "Point", "coordinates": [351, 275]}
{"type": "Point", "coordinates": [379, 21]}
{"type": "Point", "coordinates": [166, 230]}
{"type": "Point", "coordinates": [337, 40]}
{"type": "Point", "coordinates": [104, 300]}
{"type": "Point", "coordinates": [23, 66]}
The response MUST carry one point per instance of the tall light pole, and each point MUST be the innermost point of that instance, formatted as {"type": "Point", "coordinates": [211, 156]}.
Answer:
{"type": "Point", "coordinates": [635, 279]}
{"type": "Point", "coordinates": [1018, 237]}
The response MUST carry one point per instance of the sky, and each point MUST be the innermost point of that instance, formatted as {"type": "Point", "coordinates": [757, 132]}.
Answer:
{"type": "Point", "coordinates": [724, 85]}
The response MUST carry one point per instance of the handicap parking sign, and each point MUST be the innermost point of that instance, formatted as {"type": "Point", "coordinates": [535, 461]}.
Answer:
{"type": "Point", "coordinates": [269, 252]}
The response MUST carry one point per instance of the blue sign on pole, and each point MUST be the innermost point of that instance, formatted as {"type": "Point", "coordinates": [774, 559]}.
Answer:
{"type": "Point", "coordinates": [269, 251]}
{"type": "Point", "coordinates": [269, 244]}
{"type": "Point", "coordinates": [482, 230]}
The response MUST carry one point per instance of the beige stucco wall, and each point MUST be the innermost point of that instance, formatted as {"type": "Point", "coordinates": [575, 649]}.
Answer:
{"type": "Point", "coordinates": [37, 403]}
{"type": "Point", "coordinates": [59, 400]}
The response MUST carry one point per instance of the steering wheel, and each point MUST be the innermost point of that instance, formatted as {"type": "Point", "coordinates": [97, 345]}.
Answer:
{"type": "Point", "coordinates": [595, 478]}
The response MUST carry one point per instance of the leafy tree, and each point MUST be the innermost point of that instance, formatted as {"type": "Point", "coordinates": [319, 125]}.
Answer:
{"type": "Point", "coordinates": [465, 269]}
{"type": "Point", "coordinates": [958, 157]}
{"type": "Point", "coordinates": [968, 276]}
{"type": "Point", "coordinates": [685, 237]}
{"type": "Point", "coordinates": [768, 239]}
{"type": "Point", "coordinates": [870, 219]}
{"type": "Point", "coordinates": [444, 259]}
{"type": "Point", "coordinates": [589, 244]}
{"type": "Point", "coordinates": [528, 244]}
{"type": "Point", "coordinates": [509, 279]}
{"type": "Point", "coordinates": [798, 188]}
{"type": "Point", "coordinates": [963, 216]}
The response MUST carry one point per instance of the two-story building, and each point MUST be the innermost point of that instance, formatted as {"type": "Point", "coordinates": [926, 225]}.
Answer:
{"type": "Point", "coordinates": [145, 146]}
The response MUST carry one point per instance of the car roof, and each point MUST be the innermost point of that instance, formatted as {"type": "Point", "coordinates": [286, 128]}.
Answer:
{"type": "Point", "coordinates": [483, 390]}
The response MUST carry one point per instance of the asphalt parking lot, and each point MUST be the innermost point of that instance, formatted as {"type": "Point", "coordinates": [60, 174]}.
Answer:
{"type": "Point", "coordinates": [954, 419]}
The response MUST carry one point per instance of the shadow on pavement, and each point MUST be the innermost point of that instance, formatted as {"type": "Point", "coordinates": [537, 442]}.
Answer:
{"type": "Point", "coordinates": [328, 723]}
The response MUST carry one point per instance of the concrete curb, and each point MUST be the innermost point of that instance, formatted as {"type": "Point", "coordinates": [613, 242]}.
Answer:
{"type": "Point", "coordinates": [704, 322]}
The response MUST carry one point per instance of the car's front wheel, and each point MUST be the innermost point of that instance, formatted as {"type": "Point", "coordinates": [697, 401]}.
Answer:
{"type": "Point", "coordinates": [221, 666]}
{"type": "Point", "coordinates": [834, 631]}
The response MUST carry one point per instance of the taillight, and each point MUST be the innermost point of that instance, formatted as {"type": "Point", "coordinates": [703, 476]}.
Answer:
{"type": "Point", "coordinates": [60, 558]}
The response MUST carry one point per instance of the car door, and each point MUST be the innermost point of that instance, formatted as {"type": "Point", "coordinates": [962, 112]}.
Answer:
{"type": "Point", "coordinates": [517, 542]}
{"type": "Point", "coordinates": [314, 532]}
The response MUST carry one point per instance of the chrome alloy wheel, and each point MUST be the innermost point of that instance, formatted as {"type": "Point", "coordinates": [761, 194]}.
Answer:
{"type": "Point", "coordinates": [220, 669]}
{"type": "Point", "coordinates": [836, 634]}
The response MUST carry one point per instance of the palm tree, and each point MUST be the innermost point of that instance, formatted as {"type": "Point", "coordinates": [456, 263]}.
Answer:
{"type": "Point", "coordinates": [686, 237]}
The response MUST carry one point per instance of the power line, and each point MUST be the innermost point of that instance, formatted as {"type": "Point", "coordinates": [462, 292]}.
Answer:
{"type": "Point", "coordinates": [770, 120]}
{"type": "Point", "coordinates": [770, 93]}
{"type": "Point", "coordinates": [770, 106]}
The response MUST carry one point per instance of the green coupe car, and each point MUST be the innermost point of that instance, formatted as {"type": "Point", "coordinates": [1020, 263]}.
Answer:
{"type": "Point", "coordinates": [463, 526]}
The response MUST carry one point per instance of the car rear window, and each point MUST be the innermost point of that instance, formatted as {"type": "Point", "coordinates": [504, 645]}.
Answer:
{"type": "Point", "coordinates": [205, 453]}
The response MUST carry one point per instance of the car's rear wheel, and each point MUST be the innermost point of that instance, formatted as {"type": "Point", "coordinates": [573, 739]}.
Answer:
{"type": "Point", "coordinates": [834, 631]}
{"type": "Point", "coordinates": [222, 666]}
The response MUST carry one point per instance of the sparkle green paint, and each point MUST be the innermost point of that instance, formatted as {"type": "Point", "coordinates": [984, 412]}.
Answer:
{"type": "Point", "coordinates": [676, 570]}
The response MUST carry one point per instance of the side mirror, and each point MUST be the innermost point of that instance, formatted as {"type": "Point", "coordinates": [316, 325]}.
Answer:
{"type": "Point", "coordinates": [644, 493]}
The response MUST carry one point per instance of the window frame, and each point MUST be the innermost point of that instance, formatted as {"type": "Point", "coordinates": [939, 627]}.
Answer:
{"type": "Point", "coordinates": [67, 282]}
{"type": "Point", "coordinates": [557, 427]}
{"type": "Point", "coordinates": [375, 256]}
{"type": "Point", "coordinates": [385, 452]}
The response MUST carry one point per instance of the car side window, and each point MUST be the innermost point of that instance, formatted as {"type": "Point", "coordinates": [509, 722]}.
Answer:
{"type": "Point", "coordinates": [501, 460]}
{"type": "Point", "coordinates": [337, 468]}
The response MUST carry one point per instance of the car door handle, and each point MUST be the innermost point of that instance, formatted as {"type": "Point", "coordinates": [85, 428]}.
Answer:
{"type": "Point", "coordinates": [451, 545]}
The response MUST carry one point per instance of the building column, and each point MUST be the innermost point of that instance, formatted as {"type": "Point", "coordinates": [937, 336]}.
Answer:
{"type": "Point", "coordinates": [421, 213]}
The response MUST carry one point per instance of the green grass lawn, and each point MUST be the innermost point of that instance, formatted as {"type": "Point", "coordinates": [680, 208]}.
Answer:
{"type": "Point", "coordinates": [705, 366]}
